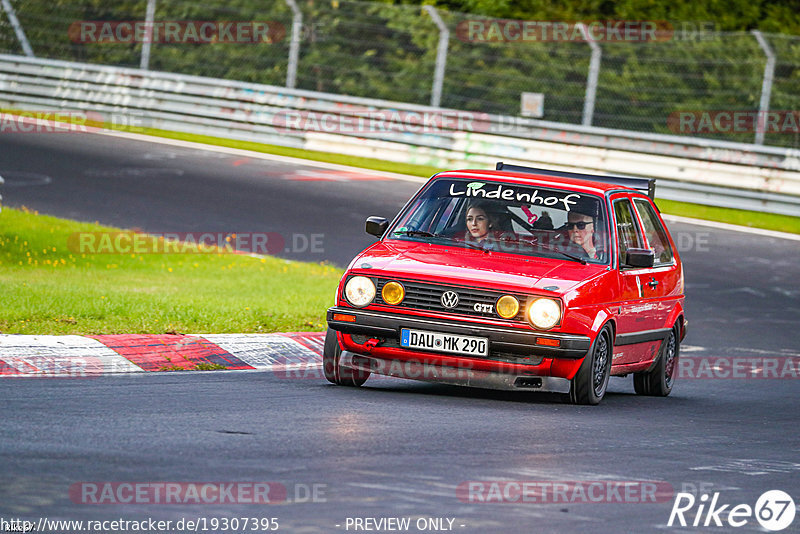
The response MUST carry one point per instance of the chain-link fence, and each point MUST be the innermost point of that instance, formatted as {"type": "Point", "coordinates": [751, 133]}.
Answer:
{"type": "Point", "coordinates": [678, 80]}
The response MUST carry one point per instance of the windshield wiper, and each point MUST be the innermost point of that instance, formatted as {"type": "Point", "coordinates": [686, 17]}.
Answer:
{"type": "Point", "coordinates": [423, 233]}
{"type": "Point", "coordinates": [475, 246]}
{"type": "Point", "coordinates": [536, 243]}
{"type": "Point", "coordinates": [565, 254]}
{"type": "Point", "coordinates": [416, 233]}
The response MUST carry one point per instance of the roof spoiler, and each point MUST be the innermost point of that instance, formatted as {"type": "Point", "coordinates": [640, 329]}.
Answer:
{"type": "Point", "coordinates": [645, 185]}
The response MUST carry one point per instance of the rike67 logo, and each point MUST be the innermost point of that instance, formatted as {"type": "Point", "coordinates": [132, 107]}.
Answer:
{"type": "Point", "coordinates": [774, 510]}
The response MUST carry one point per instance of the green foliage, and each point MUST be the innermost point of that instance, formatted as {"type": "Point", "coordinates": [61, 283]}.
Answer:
{"type": "Point", "coordinates": [779, 16]}
{"type": "Point", "coordinates": [388, 49]}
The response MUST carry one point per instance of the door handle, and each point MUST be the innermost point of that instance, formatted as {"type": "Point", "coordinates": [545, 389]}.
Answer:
{"type": "Point", "coordinates": [653, 283]}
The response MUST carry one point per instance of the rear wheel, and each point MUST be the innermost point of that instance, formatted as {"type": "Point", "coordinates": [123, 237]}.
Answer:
{"type": "Point", "coordinates": [335, 373]}
{"type": "Point", "coordinates": [658, 381]}
{"type": "Point", "coordinates": [589, 384]}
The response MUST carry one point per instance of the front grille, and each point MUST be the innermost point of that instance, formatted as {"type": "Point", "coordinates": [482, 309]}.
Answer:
{"type": "Point", "coordinates": [422, 296]}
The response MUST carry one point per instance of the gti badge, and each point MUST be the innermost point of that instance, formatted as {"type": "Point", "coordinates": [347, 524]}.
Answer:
{"type": "Point", "coordinates": [449, 299]}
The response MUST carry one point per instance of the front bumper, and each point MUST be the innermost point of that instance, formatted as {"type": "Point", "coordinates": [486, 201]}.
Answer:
{"type": "Point", "coordinates": [458, 376]}
{"type": "Point", "coordinates": [501, 339]}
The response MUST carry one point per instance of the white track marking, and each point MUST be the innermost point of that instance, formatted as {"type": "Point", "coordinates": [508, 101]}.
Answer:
{"type": "Point", "coordinates": [265, 351]}
{"type": "Point", "coordinates": [692, 348]}
{"type": "Point", "coordinates": [261, 155]}
{"type": "Point", "coordinates": [731, 227]}
{"type": "Point", "coordinates": [752, 467]}
{"type": "Point", "coordinates": [59, 357]}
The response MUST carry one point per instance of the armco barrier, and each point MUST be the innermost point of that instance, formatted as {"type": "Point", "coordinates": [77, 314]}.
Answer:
{"type": "Point", "coordinates": [689, 169]}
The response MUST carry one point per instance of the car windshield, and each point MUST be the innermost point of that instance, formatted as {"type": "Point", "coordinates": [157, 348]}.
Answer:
{"type": "Point", "coordinates": [508, 218]}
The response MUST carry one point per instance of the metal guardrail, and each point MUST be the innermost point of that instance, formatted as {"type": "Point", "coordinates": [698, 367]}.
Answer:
{"type": "Point", "coordinates": [689, 169]}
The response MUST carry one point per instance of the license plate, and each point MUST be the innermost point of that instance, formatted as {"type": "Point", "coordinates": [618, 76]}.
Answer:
{"type": "Point", "coordinates": [441, 342]}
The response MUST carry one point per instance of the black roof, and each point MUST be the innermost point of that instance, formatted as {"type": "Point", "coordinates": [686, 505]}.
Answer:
{"type": "Point", "coordinates": [645, 185]}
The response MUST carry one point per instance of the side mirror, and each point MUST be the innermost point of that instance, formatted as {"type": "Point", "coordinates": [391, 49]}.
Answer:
{"type": "Point", "coordinates": [640, 257]}
{"type": "Point", "coordinates": [376, 226]}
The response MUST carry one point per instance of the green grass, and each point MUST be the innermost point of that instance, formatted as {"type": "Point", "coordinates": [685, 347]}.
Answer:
{"type": "Point", "coordinates": [49, 287]}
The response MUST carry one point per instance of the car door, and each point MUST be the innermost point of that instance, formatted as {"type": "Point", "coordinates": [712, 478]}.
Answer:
{"type": "Point", "coordinates": [638, 314]}
{"type": "Point", "coordinates": [662, 286]}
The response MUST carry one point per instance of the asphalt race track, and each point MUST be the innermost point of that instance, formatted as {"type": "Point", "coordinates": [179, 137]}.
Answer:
{"type": "Point", "coordinates": [392, 449]}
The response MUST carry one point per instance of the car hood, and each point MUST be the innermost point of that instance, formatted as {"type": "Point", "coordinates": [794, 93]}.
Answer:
{"type": "Point", "coordinates": [457, 265]}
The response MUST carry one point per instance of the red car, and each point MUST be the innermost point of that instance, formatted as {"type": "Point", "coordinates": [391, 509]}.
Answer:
{"type": "Point", "coordinates": [517, 279]}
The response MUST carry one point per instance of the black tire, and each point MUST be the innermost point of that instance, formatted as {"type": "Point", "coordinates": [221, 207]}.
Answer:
{"type": "Point", "coordinates": [589, 384]}
{"type": "Point", "coordinates": [335, 373]}
{"type": "Point", "coordinates": [659, 380]}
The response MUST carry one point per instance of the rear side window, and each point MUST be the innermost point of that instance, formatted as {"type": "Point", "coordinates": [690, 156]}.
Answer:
{"type": "Point", "coordinates": [655, 232]}
{"type": "Point", "coordinates": [628, 234]}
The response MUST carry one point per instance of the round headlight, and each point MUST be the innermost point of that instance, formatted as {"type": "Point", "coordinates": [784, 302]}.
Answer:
{"type": "Point", "coordinates": [507, 307]}
{"type": "Point", "coordinates": [393, 293]}
{"type": "Point", "coordinates": [359, 291]}
{"type": "Point", "coordinates": [544, 313]}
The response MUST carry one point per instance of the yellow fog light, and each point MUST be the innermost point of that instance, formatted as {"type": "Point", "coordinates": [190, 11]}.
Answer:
{"type": "Point", "coordinates": [393, 293]}
{"type": "Point", "coordinates": [507, 307]}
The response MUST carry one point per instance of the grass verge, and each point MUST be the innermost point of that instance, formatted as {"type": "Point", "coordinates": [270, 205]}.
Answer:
{"type": "Point", "coordinates": [47, 288]}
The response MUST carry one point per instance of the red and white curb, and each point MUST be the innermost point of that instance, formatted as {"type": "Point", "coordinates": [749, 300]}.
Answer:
{"type": "Point", "coordinates": [85, 356]}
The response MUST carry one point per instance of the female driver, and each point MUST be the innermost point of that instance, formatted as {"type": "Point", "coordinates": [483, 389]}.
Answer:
{"type": "Point", "coordinates": [478, 223]}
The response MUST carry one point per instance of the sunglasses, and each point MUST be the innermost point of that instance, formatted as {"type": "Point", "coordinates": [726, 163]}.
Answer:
{"type": "Point", "coordinates": [581, 225]}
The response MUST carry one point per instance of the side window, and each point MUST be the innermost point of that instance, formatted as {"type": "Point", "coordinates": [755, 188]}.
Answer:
{"type": "Point", "coordinates": [656, 235]}
{"type": "Point", "coordinates": [627, 229]}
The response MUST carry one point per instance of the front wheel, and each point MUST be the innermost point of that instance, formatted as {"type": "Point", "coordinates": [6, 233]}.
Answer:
{"type": "Point", "coordinates": [335, 373]}
{"type": "Point", "coordinates": [658, 381]}
{"type": "Point", "coordinates": [589, 384]}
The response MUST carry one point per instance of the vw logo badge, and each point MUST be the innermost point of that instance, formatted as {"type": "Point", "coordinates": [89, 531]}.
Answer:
{"type": "Point", "coordinates": [449, 299]}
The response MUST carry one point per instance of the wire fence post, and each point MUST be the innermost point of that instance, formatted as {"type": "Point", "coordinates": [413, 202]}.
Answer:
{"type": "Point", "coordinates": [441, 56]}
{"type": "Point", "coordinates": [766, 86]}
{"type": "Point", "coordinates": [149, 17]}
{"type": "Point", "coordinates": [294, 46]}
{"type": "Point", "coordinates": [594, 73]}
{"type": "Point", "coordinates": [21, 37]}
